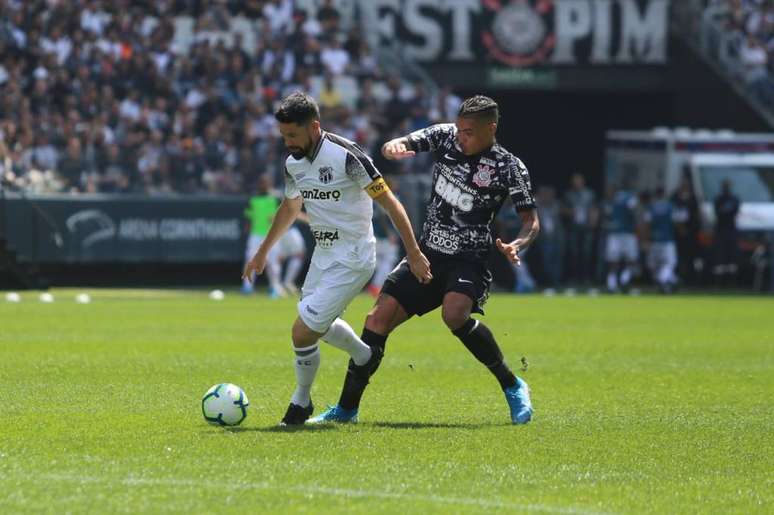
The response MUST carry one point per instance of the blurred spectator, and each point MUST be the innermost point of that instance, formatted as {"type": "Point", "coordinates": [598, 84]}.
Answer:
{"type": "Point", "coordinates": [662, 252]}
{"type": "Point", "coordinates": [330, 96]}
{"type": "Point", "coordinates": [329, 18]}
{"type": "Point", "coordinates": [509, 224]}
{"type": "Point", "coordinates": [446, 105]}
{"type": "Point", "coordinates": [72, 165]}
{"type": "Point", "coordinates": [396, 108]}
{"type": "Point", "coordinates": [726, 237]}
{"type": "Point", "coordinates": [740, 35]}
{"type": "Point", "coordinates": [687, 223]}
{"type": "Point", "coordinates": [621, 250]}
{"type": "Point", "coordinates": [551, 241]}
{"type": "Point", "coordinates": [114, 172]}
{"type": "Point", "coordinates": [44, 154]}
{"type": "Point", "coordinates": [279, 13]}
{"type": "Point", "coordinates": [581, 215]}
{"type": "Point", "coordinates": [755, 69]}
{"type": "Point", "coordinates": [334, 58]}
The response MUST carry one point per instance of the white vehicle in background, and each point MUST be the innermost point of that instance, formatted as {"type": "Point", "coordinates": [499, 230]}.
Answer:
{"type": "Point", "coordinates": [662, 157]}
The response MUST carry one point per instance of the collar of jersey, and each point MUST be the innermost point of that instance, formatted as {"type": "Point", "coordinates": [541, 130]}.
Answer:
{"type": "Point", "coordinates": [318, 146]}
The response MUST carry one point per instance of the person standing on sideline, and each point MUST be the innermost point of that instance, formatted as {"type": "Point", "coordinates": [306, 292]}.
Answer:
{"type": "Point", "coordinates": [687, 224]}
{"type": "Point", "coordinates": [622, 250]}
{"type": "Point", "coordinates": [662, 252]}
{"type": "Point", "coordinates": [551, 240]}
{"type": "Point", "coordinates": [259, 213]}
{"type": "Point", "coordinates": [726, 235]}
{"type": "Point", "coordinates": [291, 247]}
{"type": "Point", "coordinates": [581, 215]}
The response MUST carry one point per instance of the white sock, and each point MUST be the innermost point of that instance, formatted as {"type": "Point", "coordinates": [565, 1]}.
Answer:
{"type": "Point", "coordinates": [626, 276]}
{"type": "Point", "coordinates": [341, 336]}
{"type": "Point", "coordinates": [664, 275]}
{"type": "Point", "coordinates": [307, 362]}
{"type": "Point", "coordinates": [612, 281]}
{"type": "Point", "coordinates": [294, 266]}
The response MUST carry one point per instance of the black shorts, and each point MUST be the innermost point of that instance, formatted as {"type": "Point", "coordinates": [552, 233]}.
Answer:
{"type": "Point", "coordinates": [466, 277]}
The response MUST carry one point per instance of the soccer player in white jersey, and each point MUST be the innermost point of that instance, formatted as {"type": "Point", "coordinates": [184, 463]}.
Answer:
{"type": "Point", "coordinates": [335, 180]}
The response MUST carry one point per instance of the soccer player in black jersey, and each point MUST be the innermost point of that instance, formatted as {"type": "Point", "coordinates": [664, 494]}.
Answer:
{"type": "Point", "coordinates": [472, 177]}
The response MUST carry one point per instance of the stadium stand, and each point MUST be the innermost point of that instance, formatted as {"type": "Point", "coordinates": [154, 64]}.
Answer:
{"type": "Point", "coordinates": [177, 96]}
{"type": "Point", "coordinates": [737, 35]}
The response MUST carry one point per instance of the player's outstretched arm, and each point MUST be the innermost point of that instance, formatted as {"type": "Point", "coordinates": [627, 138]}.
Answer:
{"type": "Point", "coordinates": [418, 263]}
{"type": "Point", "coordinates": [397, 148]}
{"type": "Point", "coordinates": [283, 219]}
{"type": "Point", "coordinates": [530, 227]}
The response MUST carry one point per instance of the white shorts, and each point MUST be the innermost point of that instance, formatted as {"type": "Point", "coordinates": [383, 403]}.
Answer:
{"type": "Point", "coordinates": [621, 247]}
{"type": "Point", "coordinates": [662, 254]}
{"type": "Point", "coordinates": [290, 244]}
{"type": "Point", "coordinates": [327, 293]}
{"type": "Point", "coordinates": [253, 242]}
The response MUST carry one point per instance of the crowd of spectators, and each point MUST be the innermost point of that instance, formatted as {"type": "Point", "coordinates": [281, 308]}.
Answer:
{"type": "Point", "coordinates": [740, 33]}
{"type": "Point", "coordinates": [177, 96]}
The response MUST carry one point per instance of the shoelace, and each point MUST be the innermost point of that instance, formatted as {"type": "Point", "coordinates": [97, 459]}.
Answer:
{"type": "Point", "coordinates": [332, 411]}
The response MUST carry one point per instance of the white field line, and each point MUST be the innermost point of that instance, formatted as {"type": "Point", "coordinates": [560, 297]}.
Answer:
{"type": "Point", "coordinates": [313, 489]}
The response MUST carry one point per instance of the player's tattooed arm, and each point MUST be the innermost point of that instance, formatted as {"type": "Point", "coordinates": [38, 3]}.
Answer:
{"type": "Point", "coordinates": [398, 148]}
{"type": "Point", "coordinates": [428, 139]}
{"type": "Point", "coordinates": [530, 227]}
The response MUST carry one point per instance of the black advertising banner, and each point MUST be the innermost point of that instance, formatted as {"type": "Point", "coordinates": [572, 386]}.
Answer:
{"type": "Point", "coordinates": [103, 228]}
{"type": "Point", "coordinates": [536, 43]}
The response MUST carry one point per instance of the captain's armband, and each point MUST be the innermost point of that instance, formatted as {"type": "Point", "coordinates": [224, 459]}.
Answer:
{"type": "Point", "coordinates": [377, 188]}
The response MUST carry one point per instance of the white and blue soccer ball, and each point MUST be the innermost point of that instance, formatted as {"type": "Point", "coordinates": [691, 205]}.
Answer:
{"type": "Point", "coordinates": [225, 404]}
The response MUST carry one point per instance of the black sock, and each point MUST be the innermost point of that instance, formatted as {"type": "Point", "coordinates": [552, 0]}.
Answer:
{"type": "Point", "coordinates": [356, 380]}
{"type": "Point", "coordinates": [481, 343]}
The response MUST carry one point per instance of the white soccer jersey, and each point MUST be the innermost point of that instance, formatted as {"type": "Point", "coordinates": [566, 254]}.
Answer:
{"type": "Point", "coordinates": [337, 184]}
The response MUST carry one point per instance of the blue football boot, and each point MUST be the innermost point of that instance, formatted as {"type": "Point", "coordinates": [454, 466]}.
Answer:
{"type": "Point", "coordinates": [519, 402]}
{"type": "Point", "coordinates": [335, 415]}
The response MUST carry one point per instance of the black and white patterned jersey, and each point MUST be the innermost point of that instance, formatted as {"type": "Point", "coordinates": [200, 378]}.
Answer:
{"type": "Point", "coordinates": [468, 191]}
{"type": "Point", "coordinates": [337, 183]}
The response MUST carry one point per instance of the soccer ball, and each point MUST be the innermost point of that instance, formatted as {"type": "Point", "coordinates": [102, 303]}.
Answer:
{"type": "Point", "coordinates": [225, 404]}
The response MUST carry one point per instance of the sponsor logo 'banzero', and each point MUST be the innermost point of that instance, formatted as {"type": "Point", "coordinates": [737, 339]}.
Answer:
{"type": "Point", "coordinates": [316, 194]}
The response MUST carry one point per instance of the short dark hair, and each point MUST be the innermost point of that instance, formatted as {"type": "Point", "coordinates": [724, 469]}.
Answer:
{"type": "Point", "coordinates": [297, 108]}
{"type": "Point", "coordinates": [480, 107]}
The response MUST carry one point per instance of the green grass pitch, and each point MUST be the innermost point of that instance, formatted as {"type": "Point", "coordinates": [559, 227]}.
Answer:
{"type": "Point", "coordinates": [643, 405]}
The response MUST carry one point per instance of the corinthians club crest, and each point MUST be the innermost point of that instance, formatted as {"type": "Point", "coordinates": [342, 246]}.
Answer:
{"type": "Point", "coordinates": [483, 176]}
{"type": "Point", "coordinates": [520, 34]}
{"type": "Point", "coordinates": [326, 174]}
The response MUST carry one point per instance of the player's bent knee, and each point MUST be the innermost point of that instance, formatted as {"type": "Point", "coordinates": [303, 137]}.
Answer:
{"type": "Point", "coordinates": [455, 318]}
{"type": "Point", "coordinates": [455, 311]}
{"type": "Point", "coordinates": [378, 322]}
{"type": "Point", "coordinates": [302, 335]}
{"type": "Point", "coordinates": [384, 316]}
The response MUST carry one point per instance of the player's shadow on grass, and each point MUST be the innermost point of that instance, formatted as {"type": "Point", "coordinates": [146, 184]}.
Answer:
{"type": "Point", "coordinates": [425, 425]}
{"type": "Point", "coordinates": [282, 429]}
